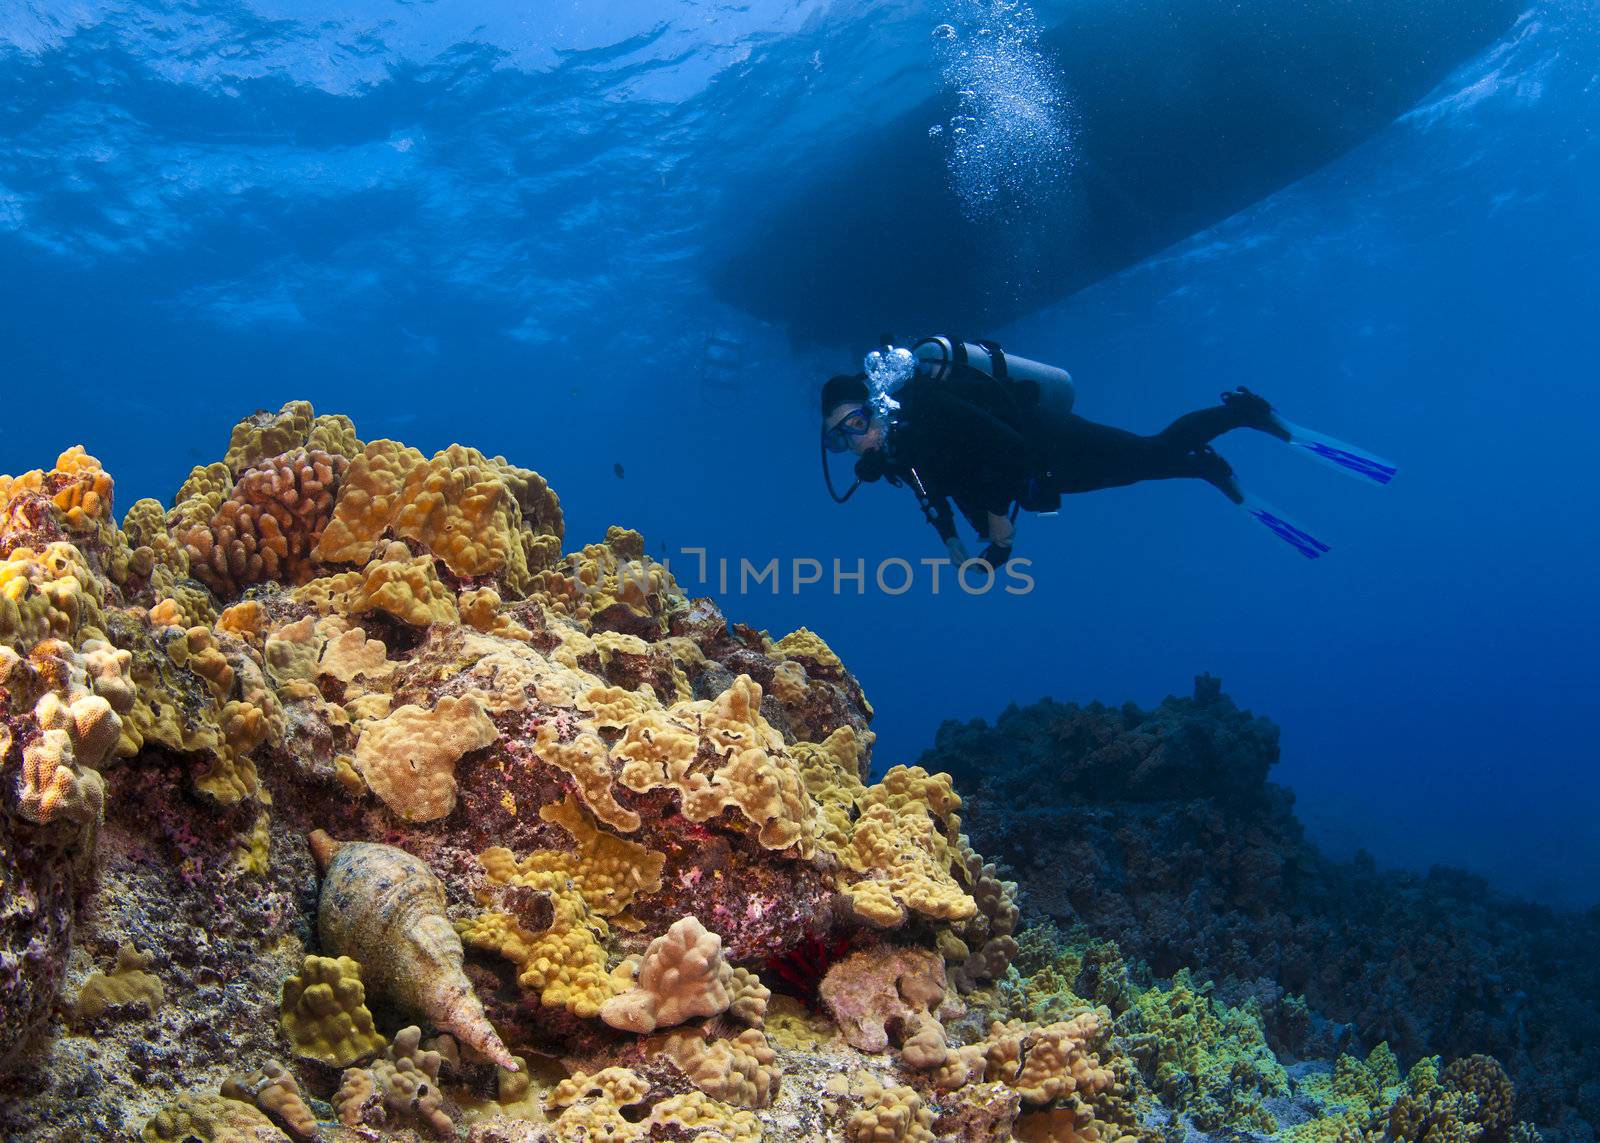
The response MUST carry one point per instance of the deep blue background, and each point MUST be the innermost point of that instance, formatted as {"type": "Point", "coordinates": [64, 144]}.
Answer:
{"type": "Point", "coordinates": [490, 229]}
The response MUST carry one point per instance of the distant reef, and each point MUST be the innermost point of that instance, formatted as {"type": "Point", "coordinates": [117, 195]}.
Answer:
{"type": "Point", "coordinates": [340, 800]}
{"type": "Point", "coordinates": [1159, 831]}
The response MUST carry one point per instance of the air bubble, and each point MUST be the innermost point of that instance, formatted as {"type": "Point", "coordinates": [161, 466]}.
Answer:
{"type": "Point", "coordinates": [1009, 141]}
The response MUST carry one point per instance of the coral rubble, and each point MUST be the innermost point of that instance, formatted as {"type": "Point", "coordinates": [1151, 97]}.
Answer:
{"type": "Point", "coordinates": [394, 822]}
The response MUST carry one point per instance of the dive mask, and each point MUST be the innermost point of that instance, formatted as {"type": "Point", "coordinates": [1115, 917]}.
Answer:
{"type": "Point", "coordinates": [855, 423]}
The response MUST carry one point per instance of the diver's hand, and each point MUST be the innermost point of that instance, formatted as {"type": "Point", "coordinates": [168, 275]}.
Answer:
{"type": "Point", "coordinates": [957, 550]}
{"type": "Point", "coordinates": [996, 555]}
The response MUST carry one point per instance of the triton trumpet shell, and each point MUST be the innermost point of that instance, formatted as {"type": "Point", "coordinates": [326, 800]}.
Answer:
{"type": "Point", "coordinates": [385, 908]}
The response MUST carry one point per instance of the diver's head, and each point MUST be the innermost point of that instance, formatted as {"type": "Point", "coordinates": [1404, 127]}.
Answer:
{"type": "Point", "coordinates": [847, 420]}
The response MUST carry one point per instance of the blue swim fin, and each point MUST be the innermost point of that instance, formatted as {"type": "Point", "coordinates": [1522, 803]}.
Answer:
{"type": "Point", "coordinates": [1346, 458]}
{"type": "Point", "coordinates": [1285, 529]}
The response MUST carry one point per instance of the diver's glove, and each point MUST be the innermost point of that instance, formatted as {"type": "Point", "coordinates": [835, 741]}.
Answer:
{"type": "Point", "coordinates": [872, 465]}
{"type": "Point", "coordinates": [957, 550]}
{"type": "Point", "coordinates": [996, 555]}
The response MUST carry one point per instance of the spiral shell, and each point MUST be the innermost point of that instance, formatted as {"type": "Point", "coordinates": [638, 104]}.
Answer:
{"type": "Point", "coordinates": [385, 908]}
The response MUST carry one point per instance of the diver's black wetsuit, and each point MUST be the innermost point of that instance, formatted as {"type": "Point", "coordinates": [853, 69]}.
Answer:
{"type": "Point", "coordinates": [987, 445]}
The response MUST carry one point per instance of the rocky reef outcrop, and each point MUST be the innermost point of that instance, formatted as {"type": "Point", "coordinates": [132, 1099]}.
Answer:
{"type": "Point", "coordinates": [339, 800]}
{"type": "Point", "coordinates": [1158, 830]}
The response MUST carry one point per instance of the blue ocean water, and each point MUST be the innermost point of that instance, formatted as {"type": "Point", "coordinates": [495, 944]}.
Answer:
{"type": "Point", "coordinates": [495, 225]}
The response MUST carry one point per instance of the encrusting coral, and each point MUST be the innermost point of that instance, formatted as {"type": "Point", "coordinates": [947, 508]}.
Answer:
{"type": "Point", "coordinates": [127, 984]}
{"type": "Point", "coordinates": [211, 1119]}
{"type": "Point", "coordinates": [409, 757]}
{"type": "Point", "coordinates": [592, 829]}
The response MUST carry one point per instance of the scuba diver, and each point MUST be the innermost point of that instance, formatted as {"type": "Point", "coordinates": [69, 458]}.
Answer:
{"type": "Point", "coordinates": [995, 433]}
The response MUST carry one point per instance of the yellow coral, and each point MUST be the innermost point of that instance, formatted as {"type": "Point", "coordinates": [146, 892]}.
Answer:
{"type": "Point", "coordinates": [369, 497]}
{"type": "Point", "coordinates": [507, 676]}
{"type": "Point", "coordinates": [396, 582]}
{"type": "Point", "coordinates": [201, 494]}
{"type": "Point", "coordinates": [892, 1114]}
{"type": "Point", "coordinates": [609, 583]}
{"type": "Point", "coordinates": [127, 984]}
{"type": "Point", "coordinates": [723, 753]}
{"type": "Point", "coordinates": [622, 1086]}
{"type": "Point", "coordinates": [904, 840]}
{"type": "Point", "coordinates": [211, 1119]}
{"type": "Point", "coordinates": [46, 594]}
{"type": "Point", "coordinates": [612, 708]}
{"type": "Point", "coordinates": [705, 1119]}
{"type": "Point", "coordinates": [404, 1082]}
{"type": "Point", "coordinates": [1057, 1062]}
{"type": "Point", "coordinates": [482, 609]}
{"type": "Point", "coordinates": [741, 1070]}
{"type": "Point", "coordinates": [292, 651]}
{"type": "Point", "coordinates": [145, 527]}
{"type": "Point", "coordinates": [78, 729]}
{"type": "Point", "coordinates": [566, 963]}
{"type": "Point", "coordinates": [351, 655]}
{"type": "Point", "coordinates": [806, 647]}
{"type": "Point", "coordinates": [586, 759]}
{"type": "Point", "coordinates": [791, 1026]}
{"type": "Point", "coordinates": [76, 487]}
{"type": "Point", "coordinates": [409, 759]}
{"type": "Point", "coordinates": [334, 433]}
{"type": "Point", "coordinates": [253, 852]}
{"type": "Point", "coordinates": [263, 434]}
{"type": "Point", "coordinates": [457, 506]}
{"type": "Point", "coordinates": [246, 620]}
{"type": "Point", "coordinates": [186, 604]}
{"type": "Point", "coordinates": [480, 516]}
{"type": "Point", "coordinates": [325, 1012]}
{"type": "Point", "coordinates": [592, 1106]}
{"type": "Point", "coordinates": [52, 785]}
{"type": "Point", "coordinates": [275, 1091]}
{"type": "Point", "coordinates": [614, 871]}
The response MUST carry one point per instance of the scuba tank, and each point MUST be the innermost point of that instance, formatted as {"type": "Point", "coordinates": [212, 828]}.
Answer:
{"type": "Point", "coordinates": [942, 357]}
{"type": "Point", "coordinates": [1038, 393]}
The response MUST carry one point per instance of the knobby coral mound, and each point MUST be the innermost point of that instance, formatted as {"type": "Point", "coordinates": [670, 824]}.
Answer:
{"type": "Point", "coordinates": [379, 803]}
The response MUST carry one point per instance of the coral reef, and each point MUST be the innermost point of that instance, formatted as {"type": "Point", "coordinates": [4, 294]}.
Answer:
{"type": "Point", "coordinates": [1159, 831]}
{"type": "Point", "coordinates": [398, 823]}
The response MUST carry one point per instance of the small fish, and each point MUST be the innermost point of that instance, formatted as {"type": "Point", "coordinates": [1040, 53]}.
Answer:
{"type": "Point", "coordinates": [617, 468]}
